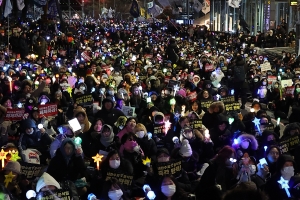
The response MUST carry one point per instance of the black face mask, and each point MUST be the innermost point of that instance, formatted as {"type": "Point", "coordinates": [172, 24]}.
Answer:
{"type": "Point", "coordinates": [271, 142]}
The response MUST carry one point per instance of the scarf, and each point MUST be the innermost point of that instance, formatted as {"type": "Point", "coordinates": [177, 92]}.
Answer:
{"type": "Point", "coordinates": [106, 141]}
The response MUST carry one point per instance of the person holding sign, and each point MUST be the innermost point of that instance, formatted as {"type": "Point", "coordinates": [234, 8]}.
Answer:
{"type": "Point", "coordinates": [80, 114]}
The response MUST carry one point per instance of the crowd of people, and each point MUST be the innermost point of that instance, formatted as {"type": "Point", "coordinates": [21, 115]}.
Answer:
{"type": "Point", "coordinates": [163, 113]}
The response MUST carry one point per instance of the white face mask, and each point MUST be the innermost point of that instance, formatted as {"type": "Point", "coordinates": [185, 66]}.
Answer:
{"type": "Point", "coordinates": [82, 88]}
{"type": "Point", "coordinates": [168, 190]}
{"type": "Point", "coordinates": [115, 195]}
{"type": "Point", "coordinates": [114, 164]}
{"type": "Point", "coordinates": [245, 144]}
{"type": "Point", "coordinates": [140, 134]}
{"type": "Point", "coordinates": [275, 86]}
{"type": "Point", "coordinates": [163, 159]}
{"type": "Point", "coordinates": [255, 80]}
{"type": "Point", "coordinates": [121, 127]}
{"type": "Point", "coordinates": [2, 76]}
{"type": "Point", "coordinates": [264, 83]}
{"type": "Point", "coordinates": [287, 172]}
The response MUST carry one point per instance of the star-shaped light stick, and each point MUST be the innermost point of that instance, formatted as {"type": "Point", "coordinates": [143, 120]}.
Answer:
{"type": "Point", "coordinates": [167, 126]}
{"type": "Point", "coordinates": [69, 90]}
{"type": "Point", "coordinates": [98, 159]}
{"type": "Point", "coordinates": [8, 178]}
{"type": "Point", "coordinates": [284, 185]}
{"type": "Point", "coordinates": [3, 156]}
{"type": "Point", "coordinates": [175, 88]}
{"type": "Point", "coordinates": [257, 123]}
{"type": "Point", "coordinates": [14, 156]}
{"type": "Point", "coordinates": [147, 161]}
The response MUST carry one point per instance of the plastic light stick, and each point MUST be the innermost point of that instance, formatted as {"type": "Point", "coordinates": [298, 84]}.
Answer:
{"type": "Point", "coordinates": [98, 159]}
{"type": "Point", "coordinates": [278, 121]}
{"type": "Point", "coordinates": [3, 156]}
{"type": "Point", "coordinates": [257, 123]}
{"type": "Point", "coordinates": [284, 185]}
{"type": "Point", "coordinates": [167, 126]}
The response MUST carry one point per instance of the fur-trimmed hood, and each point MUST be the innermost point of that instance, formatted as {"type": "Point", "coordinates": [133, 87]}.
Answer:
{"type": "Point", "coordinates": [215, 104]}
{"type": "Point", "coordinates": [245, 136]}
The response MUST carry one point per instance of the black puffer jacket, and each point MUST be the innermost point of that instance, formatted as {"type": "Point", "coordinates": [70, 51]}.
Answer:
{"type": "Point", "coordinates": [239, 71]}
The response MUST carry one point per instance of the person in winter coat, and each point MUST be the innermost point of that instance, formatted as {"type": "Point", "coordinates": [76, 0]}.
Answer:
{"type": "Point", "coordinates": [80, 114]}
{"type": "Point", "coordinates": [190, 160]}
{"type": "Point", "coordinates": [291, 129]}
{"type": "Point", "coordinates": [284, 170]}
{"type": "Point", "coordinates": [129, 127]}
{"type": "Point", "coordinates": [271, 155]}
{"type": "Point", "coordinates": [245, 143]}
{"type": "Point", "coordinates": [170, 189]}
{"type": "Point", "coordinates": [67, 164]}
{"type": "Point", "coordinates": [46, 182]}
{"type": "Point", "coordinates": [239, 75]}
{"type": "Point", "coordinates": [219, 176]}
{"type": "Point", "coordinates": [133, 153]}
{"type": "Point", "coordinates": [211, 117]}
{"type": "Point", "coordinates": [294, 117]}
{"type": "Point", "coordinates": [220, 135]}
{"type": "Point", "coordinates": [65, 131]}
{"type": "Point", "coordinates": [23, 44]}
{"type": "Point", "coordinates": [14, 187]}
{"type": "Point", "coordinates": [112, 189]}
{"type": "Point", "coordinates": [90, 140]}
{"type": "Point", "coordinates": [108, 113]}
{"type": "Point", "coordinates": [172, 51]}
{"type": "Point", "coordinates": [34, 138]}
{"type": "Point", "coordinates": [147, 144]}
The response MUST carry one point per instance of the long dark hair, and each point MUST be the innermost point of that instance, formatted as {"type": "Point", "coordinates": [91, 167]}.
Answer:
{"type": "Point", "coordinates": [125, 166]}
{"type": "Point", "coordinates": [107, 186]}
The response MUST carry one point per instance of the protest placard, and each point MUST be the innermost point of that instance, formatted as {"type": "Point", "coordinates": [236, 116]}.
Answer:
{"type": "Point", "coordinates": [196, 123]}
{"type": "Point", "coordinates": [169, 168]}
{"type": "Point", "coordinates": [265, 67]}
{"type": "Point", "coordinates": [128, 111]}
{"type": "Point", "coordinates": [48, 110]}
{"type": "Point", "coordinates": [228, 99]}
{"type": "Point", "coordinates": [61, 194]}
{"type": "Point", "coordinates": [31, 156]}
{"type": "Point", "coordinates": [272, 79]}
{"type": "Point", "coordinates": [85, 56]}
{"type": "Point", "coordinates": [14, 114]}
{"type": "Point", "coordinates": [206, 104]}
{"type": "Point", "coordinates": [232, 107]}
{"type": "Point", "coordinates": [84, 100]}
{"type": "Point", "coordinates": [289, 143]}
{"type": "Point", "coordinates": [286, 83]}
{"type": "Point", "coordinates": [159, 129]}
{"type": "Point", "coordinates": [209, 67]}
{"type": "Point", "coordinates": [30, 171]}
{"type": "Point", "coordinates": [123, 178]}
{"type": "Point", "coordinates": [192, 96]}
{"type": "Point", "coordinates": [172, 83]}
{"type": "Point", "coordinates": [289, 91]}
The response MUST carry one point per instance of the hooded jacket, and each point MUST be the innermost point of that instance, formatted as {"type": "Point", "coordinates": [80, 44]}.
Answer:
{"type": "Point", "coordinates": [251, 150]}
{"type": "Point", "coordinates": [66, 167]}
{"type": "Point", "coordinates": [220, 138]}
{"type": "Point", "coordinates": [239, 72]}
{"type": "Point", "coordinates": [36, 140]}
{"type": "Point", "coordinates": [46, 180]}
{"type": "Point", "coordinates": [109, 116]}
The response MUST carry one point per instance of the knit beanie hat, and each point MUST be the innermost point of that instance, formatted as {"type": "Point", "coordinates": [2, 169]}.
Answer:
{"type": "Point", "coordinates": [185, 149]}
{"type": "Point", "coordinates": [182, 93]}
{"type": "Point", "coordinates": [13, 166]}
{"type": "Point", "coordinates": [46, 179]}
